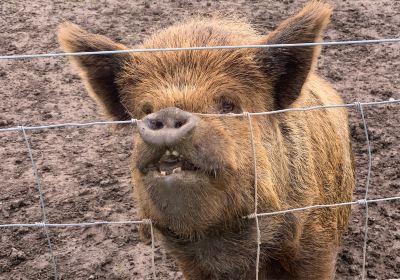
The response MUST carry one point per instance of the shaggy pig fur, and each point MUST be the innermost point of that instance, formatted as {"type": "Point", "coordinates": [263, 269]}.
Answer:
{"type": "Point", "coordinates": [303, 158]}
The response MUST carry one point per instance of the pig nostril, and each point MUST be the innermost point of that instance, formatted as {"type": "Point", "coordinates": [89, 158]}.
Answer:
{"type": "Point", "coordinates": [179, 124]}
{"type": "Point", "coordinates": [155, 124]}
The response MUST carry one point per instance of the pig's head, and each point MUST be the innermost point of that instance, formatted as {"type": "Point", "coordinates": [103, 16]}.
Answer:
{"type": "Point", "coordinates": [194, 173]}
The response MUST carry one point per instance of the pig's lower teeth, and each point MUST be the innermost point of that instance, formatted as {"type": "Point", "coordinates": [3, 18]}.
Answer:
{"type": "Point", "coordinates": [176, 170]}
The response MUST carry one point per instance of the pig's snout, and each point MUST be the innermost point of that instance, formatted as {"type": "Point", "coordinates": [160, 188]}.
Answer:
{"type": "Point", "coordinates": [167, 127]}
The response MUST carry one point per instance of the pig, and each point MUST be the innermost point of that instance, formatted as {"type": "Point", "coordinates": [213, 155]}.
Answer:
{"type": "Point", "coordinates": [194, 174]}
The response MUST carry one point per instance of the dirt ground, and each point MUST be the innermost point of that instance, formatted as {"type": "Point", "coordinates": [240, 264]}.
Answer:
{"type": "Point", "coordinates": [85, 172]}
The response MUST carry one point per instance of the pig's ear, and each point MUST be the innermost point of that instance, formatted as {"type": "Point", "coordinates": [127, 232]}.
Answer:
{"type": "Point", "coordinates": [289, 67]}
{"type": "Point", "coordinates": [99, 72]}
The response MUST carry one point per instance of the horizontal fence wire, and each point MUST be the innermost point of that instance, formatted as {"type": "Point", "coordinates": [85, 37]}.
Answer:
{"type": "Point", "coordinates": [82, 224]}
{"type": "Point", "coordinates": [251, 216]}
{"type": "Point", "coordinates": [66, 125]}
{"type": "Point", "coordinates": [317, 206]}
{"type": "Point", "coordinates": [134, 121]}
{"type": "Point", "coordinates": [326, 43]}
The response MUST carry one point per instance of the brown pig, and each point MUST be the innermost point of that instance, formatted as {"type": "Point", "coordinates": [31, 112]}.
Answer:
{"type": "Point", "coordinates": [194, 175]}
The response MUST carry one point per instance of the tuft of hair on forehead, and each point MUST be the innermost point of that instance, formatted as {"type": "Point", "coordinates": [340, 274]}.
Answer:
{"type": "Point", "coordinates": [198, 32]}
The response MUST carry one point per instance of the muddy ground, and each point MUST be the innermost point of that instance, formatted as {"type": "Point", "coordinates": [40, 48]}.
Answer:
{"type": "Point", "coordinates": [84, 172]}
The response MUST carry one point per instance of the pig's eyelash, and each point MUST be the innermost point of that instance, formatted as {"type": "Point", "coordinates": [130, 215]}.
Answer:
{"type": "Point", "coordinates": [226, 106]}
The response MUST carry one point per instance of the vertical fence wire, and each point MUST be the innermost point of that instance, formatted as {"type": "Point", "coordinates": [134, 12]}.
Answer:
{"type": "Point", "coordinates": [149, 222]}
{"type": "Point", "coordinates": [360, 107]}
{"type": "Point", "coordinates": [153, 266]}
{"type": "Point", "coordinates": [253, 148]}
{"type": "Point", "coordinates": [42, 204]}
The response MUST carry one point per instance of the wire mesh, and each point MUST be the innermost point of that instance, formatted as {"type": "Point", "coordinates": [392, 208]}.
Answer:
{"type": "Point", "coordinates": [45, 225]}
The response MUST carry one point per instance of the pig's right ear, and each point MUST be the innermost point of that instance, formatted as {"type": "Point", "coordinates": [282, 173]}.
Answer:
{"type": "Point", "coordinates": [98, 72]}
{"type": "Point", "coordinates": [288, 67]}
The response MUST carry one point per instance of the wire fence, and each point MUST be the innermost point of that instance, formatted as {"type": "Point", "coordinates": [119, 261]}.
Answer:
{"type": "Point", "coordinates": [332, 43]}
{"type": "Point", "coordinates": [45, 225]}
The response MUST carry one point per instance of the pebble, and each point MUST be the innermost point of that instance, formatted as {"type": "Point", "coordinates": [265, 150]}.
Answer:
{"type": "Point", "coordinates": [17, 254]}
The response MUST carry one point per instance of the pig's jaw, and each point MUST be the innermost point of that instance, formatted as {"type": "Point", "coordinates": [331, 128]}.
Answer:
{"type": "Point", "coordinates": [178, 190]}
{"type": "Point", "coordinates": [178, 200]}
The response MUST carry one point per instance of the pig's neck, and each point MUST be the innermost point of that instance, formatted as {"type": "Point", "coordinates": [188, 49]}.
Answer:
{"type": "Point", "coordinates": [239, 226]}
{"type": "Point", "coordinates": [216, 249]}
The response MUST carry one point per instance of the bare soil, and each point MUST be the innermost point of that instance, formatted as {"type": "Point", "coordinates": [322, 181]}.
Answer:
{"type": "Point", "coordinates": [85, 172]}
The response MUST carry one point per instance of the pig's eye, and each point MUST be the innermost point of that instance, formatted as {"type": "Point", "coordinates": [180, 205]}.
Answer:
{"type": "Point", "coordinates": [226, 106]}
{"type": "Point", "coordinates": [147, 108]}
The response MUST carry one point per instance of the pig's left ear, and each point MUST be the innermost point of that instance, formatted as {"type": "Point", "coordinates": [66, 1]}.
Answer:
{"type": "Point", "coordinates": [100, 73]}
{"type": "Point", "coordinates": [289, 67]}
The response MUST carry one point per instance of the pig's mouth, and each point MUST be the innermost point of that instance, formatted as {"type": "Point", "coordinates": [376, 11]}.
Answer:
{"type": "Point", "coordinates": [169, 163]}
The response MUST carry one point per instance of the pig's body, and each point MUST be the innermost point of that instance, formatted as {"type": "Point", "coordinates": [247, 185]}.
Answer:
{"type": "Point", "coordinates": [312, 149]}
{"type": "Point", "coordinates": [194, 174]}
